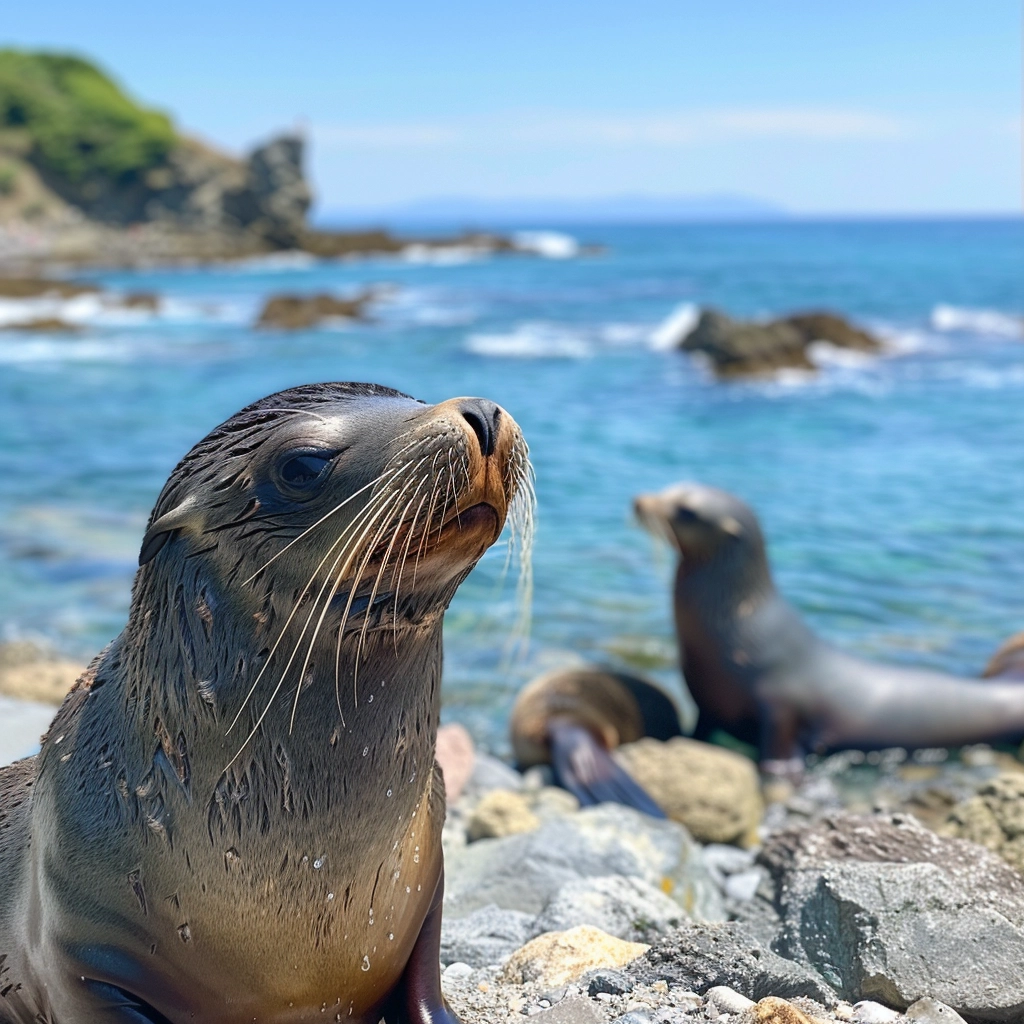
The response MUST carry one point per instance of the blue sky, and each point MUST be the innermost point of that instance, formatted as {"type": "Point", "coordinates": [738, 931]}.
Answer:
{"type": "Point", "coordinates": [827, 108]}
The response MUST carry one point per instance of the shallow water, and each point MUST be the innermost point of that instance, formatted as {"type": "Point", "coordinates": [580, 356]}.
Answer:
{"type": "Point", "coordinates": [891, 489]}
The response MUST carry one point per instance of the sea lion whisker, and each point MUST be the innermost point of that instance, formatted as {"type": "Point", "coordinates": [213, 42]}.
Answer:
{"type": "Point", "coordinates": [341, 537]}
{"type": "Point", "coordinates": [426, 529]}
{"type": "Point", "coordinates": [400, 566]}
{"type": "Point", "coordinates": [291, 659]}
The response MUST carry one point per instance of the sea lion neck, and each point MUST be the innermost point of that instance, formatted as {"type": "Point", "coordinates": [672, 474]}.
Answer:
{"type": "Point", "coordinates": [732, 573]}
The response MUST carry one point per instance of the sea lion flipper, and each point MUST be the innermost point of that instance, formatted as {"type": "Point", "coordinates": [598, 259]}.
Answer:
{"type": "Point", "coordinates": [120, 1007]}
{"type": "Point", "coordinates": [422, 1001]}
{"type": "Point", "coordinates": [586, 769]}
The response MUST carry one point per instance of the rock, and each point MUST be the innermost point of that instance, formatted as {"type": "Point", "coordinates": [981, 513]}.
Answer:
{"type": "Point", "coordinates": [994, 818]}
{"type": "Point", "coordinates": [614, 983]}
{"type": "Point", "coordinates": [714, 792]}
{"type": "Point", "coordinates": [456, 972]}
{"type": "Point", "coordinates": [779, 1011]}
{"type": "Point", "coordinates": [501, 813]}
{"type": "Point", "coordinates": [523, 872]}
{"type": "Point", "coordinates": [141, 300]}
{"type": "Point", "coordinates": [833, 329]}
{"type": "Point", "coordinates": [701, 956]}
{"type": "Point", "coordinates": [280, 195]}
{"type": "Point", "coordinates": [295, 312]}
{"type": "Point", "coordinates": [557, 958]}
{"type": "Point", "coordinates": [552, 802]}
{"type": "Point", "coordinates": [40, 287]}
{"type": "Point", "coordinates": [454, 753]}
{"type": "Point", "coordinates": [572, 1010]}
{"type": "Point", "coordinates": [727, 1000]}
{"type": "Point", "coordinates": [42, 325]}
{"type": "Point", "coordinates": [491, 773]}
{"type": "Point", "coordinates": [884, 909]}
{"type": "Point", "coordinates": [487, 936]}
{"type": "Point", "coordinates": [31, 673]}
{"type": "Point", "coordinates": [869, 1012]}
{"type": "Point", "coordinates": [628, 908]}
{"type": "Point", "coordinates": [931, 1011]}
{"type": "Point", "coordinates": [743, 348]}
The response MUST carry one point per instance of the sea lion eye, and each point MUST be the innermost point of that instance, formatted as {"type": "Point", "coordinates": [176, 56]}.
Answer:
{"type": "Point", "coordinates": [303, 469]}
{"type": "Point", "coordinates": [686, 515]}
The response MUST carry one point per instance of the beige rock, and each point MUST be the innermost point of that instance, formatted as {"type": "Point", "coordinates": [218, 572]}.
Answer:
{"type": "Point", "coordinates": [454, 753]}
{"type": "Point", "coordinates": [774, 1010]}
{"type": "Point", "coordinates": [714, 792]}
{"type": "Point", "coordinates": [552, 802]}
{"type": "Point", "coordinates": [28, 673]}
{"type": "Point", "coordinates": [557, 958]}
{"type": "Point", "coordinates": [501, 813]}
{"type": "Point", "coordinates": [994, 818]}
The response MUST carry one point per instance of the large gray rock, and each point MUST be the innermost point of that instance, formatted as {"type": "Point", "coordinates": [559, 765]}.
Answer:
{"type": "Point", "coordinates": [886, 910]}
{"type": "Point", "coordinates": [487, 936]}
{"type": "Point", "coordinates": [628, 908]}
{"type": "Point", "coordinates": [523, 872]}
{"type": "Point", "coordinates": [701, 956]}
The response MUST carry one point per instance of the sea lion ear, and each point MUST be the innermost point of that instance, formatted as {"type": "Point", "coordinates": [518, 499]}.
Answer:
{"type": "Point", "coordinates": [732, 526]}
{"type": "Point", "coordinates": [179, 517]}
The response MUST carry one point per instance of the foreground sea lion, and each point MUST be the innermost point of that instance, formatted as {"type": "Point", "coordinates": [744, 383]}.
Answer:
{"type": "Point", "coordinates": [236, 815]}
{"type": "Point", "coordinates": [756, 671]}
{"type": "Point", "coordinates": [573, 719]}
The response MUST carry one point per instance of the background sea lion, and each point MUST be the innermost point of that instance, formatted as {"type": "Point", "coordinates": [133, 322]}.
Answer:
{"type": "Point", "coordinates": [572, 719]}
{"type": "Point", "coordinates": [236, 815]}
{"type": "Point", "coordinates": [756, 671]}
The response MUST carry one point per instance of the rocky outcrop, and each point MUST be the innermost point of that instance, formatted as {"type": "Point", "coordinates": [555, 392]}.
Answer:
{"type": "Point", "coordinates": [884, 909]}
{"type": "Point", "coordinates": [714, 792]}
{"type": "Point", "coordinates": [31, 673]}
{"type": "Point", "coordinates": [738, 348]}
{"type": "Point", "coordinates": [297, 312]}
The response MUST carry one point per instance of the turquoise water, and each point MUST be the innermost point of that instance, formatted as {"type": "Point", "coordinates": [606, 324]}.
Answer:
{"type": "Point", "coordinates": [891, 489]}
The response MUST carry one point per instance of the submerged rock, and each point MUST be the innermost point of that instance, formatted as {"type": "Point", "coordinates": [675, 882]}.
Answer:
{"type": "Point", "coordinates": [714, 792]}
{"type": "Point", "coordinates": [886, 910]}
{"type": "Point", "coordinates": [295, 312]}
{"type": "Point", "coordinates": [739, 348]}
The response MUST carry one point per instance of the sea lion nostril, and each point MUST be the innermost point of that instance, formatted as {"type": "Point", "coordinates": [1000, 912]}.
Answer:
{"type": "Point", "coordinates": [483, 417]}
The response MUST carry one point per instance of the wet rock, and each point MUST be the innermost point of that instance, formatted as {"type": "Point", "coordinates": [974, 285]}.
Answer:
{"type": "Point", "coordinates": [141, 300]}
{"type": "Point", "coordinates": [455, 754]}
{"type": "Point", "coordinates": [556, 958]}
{"type": "Point", "coordinates": [885, 909]}
{"type": "Point", "coordinates": [42, 325]}
{"type": "Point", "coordinates": [40, 287]}
{"type": "Point", "coordinates": [702, 956]}
{"type": "Point", "coordinates": [501, 813]}
{"type": "Point", "coordinates": [931, 1011]}
{"type": "Point", "coordinates": [487, 936]}
{"type": "Point", "coordinates": [296, 312]}
{"type": "Point", "coordinates": [523, 872]}
{"type": "Point", "coordinates": [628, 908]}
{"type": "Point", "coordinates": [994, 818]}
{"type": "Point", "coordinates": [739, 348]}
{"type": "Point", "coordinates": [714, 792]}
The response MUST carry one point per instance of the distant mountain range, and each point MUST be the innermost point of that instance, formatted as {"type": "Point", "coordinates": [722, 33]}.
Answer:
{"type": "Point", "coordinates": [633, 209]}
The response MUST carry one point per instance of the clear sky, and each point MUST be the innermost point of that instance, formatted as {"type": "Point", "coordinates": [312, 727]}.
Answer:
{"type": "Point", "coordinates": [824, 106]}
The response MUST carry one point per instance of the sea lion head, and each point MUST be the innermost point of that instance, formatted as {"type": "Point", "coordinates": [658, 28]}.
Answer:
{"type": "Point", "coordinates": [701, 523]}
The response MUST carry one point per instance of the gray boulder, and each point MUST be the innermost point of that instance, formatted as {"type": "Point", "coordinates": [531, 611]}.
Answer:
{"type": "Point", "coordinates": [697, 957]}
{"type": "Point", "coordinates": [487, 936]}
{"type": "Point", "coordinates": [523, 872]}
{"type": "Point", "coordinates": [886, 910]}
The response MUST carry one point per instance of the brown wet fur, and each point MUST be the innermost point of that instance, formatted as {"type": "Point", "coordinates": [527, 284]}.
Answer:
{"type": "Point", "coordinates": [232, 819]}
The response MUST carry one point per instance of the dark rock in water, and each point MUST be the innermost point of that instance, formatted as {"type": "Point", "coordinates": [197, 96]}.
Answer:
{"type": "Point", "coordinates": [886, 910]}
{"type": "Point", "coordinates": [702, 956]}
{"type": "Point", "coordinates": [141, 300]}
{"type": "Point", "coordinates": [739, 348]}
{"type": "Point", "coordinates": [42, 325]}
{"type": "Point", "coordinates": [40, 287]}
{"type": "Point", "coordinates": [294, 312]}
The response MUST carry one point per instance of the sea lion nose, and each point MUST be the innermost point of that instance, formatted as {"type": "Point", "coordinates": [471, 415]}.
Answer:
{"type": "Point", "coordinates": [483, 416]}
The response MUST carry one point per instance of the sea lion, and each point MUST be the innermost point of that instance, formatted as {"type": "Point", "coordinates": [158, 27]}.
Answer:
{"type": "Point", "coordinates": [236, 814]}
{"type": "Point", "coordinates": [573, 718]}
{"type": "Point", "coordinates": [757, 672]}
{"type": "Point", "coordinates": [1008, 661]}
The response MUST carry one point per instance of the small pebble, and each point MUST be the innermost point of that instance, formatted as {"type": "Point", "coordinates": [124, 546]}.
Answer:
{"type": "Point", "coordinates": [608, 982]}
{"type": "Point", "coordinates": [867, 1012]}
{"type": "Point", "coordinates": [743, 885]}
{"type": "Point", "coordinates": [687, 1001]}
{"type": "Point", "coordinates": [457, 972]}
{"type": "Point", "coordinates": [727, 1000]}
{"type": "Point", "coordinates": [931, 1011]}
{"type": "Point", "coordinates": [634, 1017]}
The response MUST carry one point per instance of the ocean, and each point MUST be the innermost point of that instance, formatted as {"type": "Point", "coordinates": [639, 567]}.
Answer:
{"type": "Point", "coordinates": [891, 488]}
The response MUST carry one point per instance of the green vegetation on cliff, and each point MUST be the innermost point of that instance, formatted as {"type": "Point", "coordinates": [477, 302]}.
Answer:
{"type": "Point", "coordinates": [75, 122]}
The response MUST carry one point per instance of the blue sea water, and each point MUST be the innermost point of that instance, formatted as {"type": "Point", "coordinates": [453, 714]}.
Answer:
{"type": "Point", "coordinates": [891, 489]}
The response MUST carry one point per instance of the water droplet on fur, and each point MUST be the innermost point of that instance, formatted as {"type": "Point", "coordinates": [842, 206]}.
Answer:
{"type": "Point", "coordinates": [389, 792]}
{"type": "Point", "coordinates": [391, 936]}
{"type": "Point", "coordinates": [369, 700]}
{"type": "Point", "coordinates": [318, 863]}
{"type": "Point", "coordinates": [185, 933]}
{"type": "Point", "coordinates": [330, 896]}
{"type": "Point", "coordinates": [365, 965]}
{"type": "Point", "coordinates": [366, 750]}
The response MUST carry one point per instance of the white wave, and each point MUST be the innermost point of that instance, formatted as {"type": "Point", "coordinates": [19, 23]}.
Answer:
{"type": "Point", "coordinates": [49, 350]}
{"type": "Point", "coordinates": [275, 262]}
{"type": "Point", "coordinates": [624, 333]}
{"type": "Point", "coordinates": [977, 321]}
{"type": "Point", "coordinates": [672, 330]}
{"type": "Point", "coordinates": [552, 245]}
{"type": "Point", "coordinates": [531, 341]}
{"type": "Point", "coordinates": [824, 353]}
{"type": "Point", "coordinates": [443, 255]}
